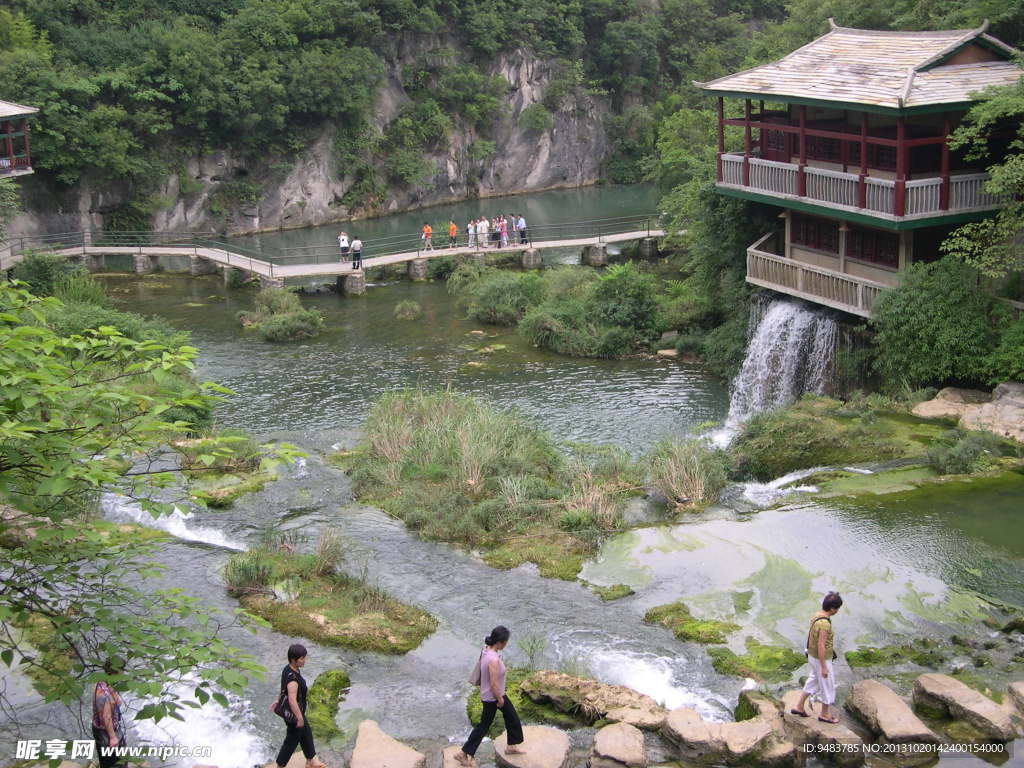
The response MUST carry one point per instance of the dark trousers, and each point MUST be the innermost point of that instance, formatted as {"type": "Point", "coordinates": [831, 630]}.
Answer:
{"type": "Point", "coordinates": [99, 735]}
{"type": "Point", "coordinates": [357, 260]}
{"type": "Point", "coordinates": [522, 236]}
{"type": "Point", "coordinates": [512, 725]}
{"type": "Point", "coordinates": [293, 738]}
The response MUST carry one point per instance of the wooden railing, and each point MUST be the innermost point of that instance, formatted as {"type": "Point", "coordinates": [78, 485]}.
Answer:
{"type": "Point", "coordinates": [851, 294]}
{"type": "Point", "coordinates": [923, 197]}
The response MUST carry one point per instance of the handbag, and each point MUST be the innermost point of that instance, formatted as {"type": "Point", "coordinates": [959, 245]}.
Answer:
{"type": "Point", "coordinates": [474, 675]}
{"type": "Point", "coordinates": [282, 709]}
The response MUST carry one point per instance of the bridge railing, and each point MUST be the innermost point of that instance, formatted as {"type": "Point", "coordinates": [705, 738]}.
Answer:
{"type": "Point", "coordinates": [413, 243]}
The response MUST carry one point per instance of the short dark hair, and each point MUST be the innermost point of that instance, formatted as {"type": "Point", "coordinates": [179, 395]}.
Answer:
{"type": "Point", "coordinates": [832, 601]}
{"type": "Point", "coordinates": [296, 651]}
{"type": "Point", "coordinates": [499, 634]}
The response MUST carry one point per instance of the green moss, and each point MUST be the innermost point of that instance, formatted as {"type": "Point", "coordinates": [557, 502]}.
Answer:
{"type": "Point", "coordinates": [677, 617]}
{"type": "Point", "coordinates": [553, 555]}
{"type": "Point", "coordinates": [963, 732]}
{"type": "Point", "coordinates": [768, 663]}
{"type": "Point", "coordinates": [529, 710]}
{"type": "Point", "coordinates": [614, 592]}
{"type": "Point", "coordinates": [981, 685]}
{"type": "Point", "coordinates": [741, 601]}
{"type": "Point", "coordinates": [221, 490]}
{"type": "Point", "coordinates": [326, 693]}
{"type": "Point", "coordinates": [923, 652]}
{"type": "Point", "coordinates": [335, 609]}
{"type": "Point", "coordinates": [343, 460]}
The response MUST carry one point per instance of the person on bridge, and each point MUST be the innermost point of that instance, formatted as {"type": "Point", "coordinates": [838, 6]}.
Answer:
{"type": "Point", "coordinates": [481, 232]}
{"type": "Point", "coordinates": [427, 232]}
{"type": "Point", "coordinates": [343, 245]}
{"type": "Point", "coordinates": [453, 233]}
{"type": "Point", "coordinates": [521, 228]}
{"type": "Point", "coordinates": [357, 252]}
{"type": "Point", "coordinates": [471, 233]}
{"type": "Point", "coordinates": [503, 230]}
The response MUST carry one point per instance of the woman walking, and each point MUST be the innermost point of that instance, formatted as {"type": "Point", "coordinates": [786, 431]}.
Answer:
{"type": "Point", "coordinates": [471, 233]}
{"type": "Point", "coordinates": [107, 724]}
{"type": "Point", "coordinates": [293, 693]}
{"type": "Point", "coordinates": [821, 683]}
{"type": "Point", "coordinates": [492, 694]}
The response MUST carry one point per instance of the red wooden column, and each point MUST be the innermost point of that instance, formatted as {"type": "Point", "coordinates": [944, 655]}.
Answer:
{"type": "Point", "coordinates": [8, 130]}
{"type": "Point", "coordinates": [862, 183]}
{"type": "Point", "coordinates": [900, 202]}
{"type": "Point", "coordinates": [746, 143]}
{"type": "Point", "coordinates": [944, 189]}
{"type": "Point", "coordinates": [721, 137]}
{"type": "Point", "coordinates": [801, 178]}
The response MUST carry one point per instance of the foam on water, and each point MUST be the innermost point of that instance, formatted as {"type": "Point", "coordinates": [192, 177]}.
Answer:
{"type": "Point", "coordinates": [120, 508]}
{"type": "Point", "coordinates": [765, 494]}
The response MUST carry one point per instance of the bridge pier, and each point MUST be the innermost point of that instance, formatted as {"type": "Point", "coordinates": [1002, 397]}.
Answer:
{"type": "Point", "coordinates": [479, 258]}
{"type": "Point", "coordinates": [353, 284]}
{"type": "Point", "coordinates": [197, 265]}
{"type": "Point", "coordinates": [530, 259]}
{"type": "Point", "coordinates": [648, 248]}
{"type": "Point", "coordinates": [271, 282]}
{"type": "Point", "coordinates": [143, 263]}
{"type": "Point", "coordinates": [418, 269]}
{"type": "Point", "coordinates": [229, 276]}
{"type": "Point", "coordinates": [595, 255]}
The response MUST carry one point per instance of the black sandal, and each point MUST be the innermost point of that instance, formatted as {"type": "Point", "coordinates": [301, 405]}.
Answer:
{"type": "Point", "coordinates": [798, 713]}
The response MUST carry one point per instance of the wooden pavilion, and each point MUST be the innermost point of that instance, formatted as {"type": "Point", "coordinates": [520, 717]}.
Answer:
{"type": "Point", "coordinates": [15, 156]}
{"type": "Point", "coordinates": [850, 136]}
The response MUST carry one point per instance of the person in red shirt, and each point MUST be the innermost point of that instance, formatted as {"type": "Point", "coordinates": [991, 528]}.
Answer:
{"type": "Point", "coordinates": [427, 232]}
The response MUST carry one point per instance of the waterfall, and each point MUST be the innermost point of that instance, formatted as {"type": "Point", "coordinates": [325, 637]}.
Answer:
{"type": "Point", "coordinates": [790, 352]}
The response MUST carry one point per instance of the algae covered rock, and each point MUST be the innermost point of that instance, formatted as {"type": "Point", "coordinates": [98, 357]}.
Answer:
{"type": "Point", "coordinates": [591, 701]}
{"type": "Point", "coordinates": [677, 617]}
{"type": "Point", "coordinates": [614, 592]}
{"type": "Point", "coordinates": [949, 696]}
{"type": "Point", "coordinates": [325, 694]}
{"type": "Point", "coordinates": [768, 663]}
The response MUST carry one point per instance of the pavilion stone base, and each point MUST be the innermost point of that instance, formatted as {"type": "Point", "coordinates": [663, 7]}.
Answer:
{"type": "Point", "coordinates": [530, 259]}
{"type": "Point", "coordinates": [271, 282]}
{"type": "Point", "coordinates": [595, 255]}
{"type": "Point", "coordinates": [648, 248]}
{"type": "Point", "coordinates": [418, 269]}
{"type": "Point", "coordinates": [354, 284]}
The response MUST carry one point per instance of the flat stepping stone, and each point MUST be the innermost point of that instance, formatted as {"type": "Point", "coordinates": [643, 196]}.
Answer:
{"type": "Point", "coordinates": [545, 748]}
{"type": "Point", "coordinates": [886, 715]}
{"type": "Point", "coordinates": [848, 746]}
{"type": "Point", "coordinates": [745, 742]}
{"type": "Point", "coordinates": [297, 760]}
{"type": "Point", "coordinates": [948, 695]}
{"type": "Point", "coordinates": [617, 746]}
{"type": "Point", "coordinates": [375, 749]}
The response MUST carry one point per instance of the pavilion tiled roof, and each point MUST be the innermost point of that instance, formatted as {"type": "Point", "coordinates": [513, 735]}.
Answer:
{"type": "Point", "coordinates": [893, 70]}
{"type": "Point", "coordinates": [10, 109]}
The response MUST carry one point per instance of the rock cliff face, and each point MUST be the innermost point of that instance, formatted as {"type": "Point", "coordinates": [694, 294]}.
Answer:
{"type": "Point", "coordinates": [309, 189]}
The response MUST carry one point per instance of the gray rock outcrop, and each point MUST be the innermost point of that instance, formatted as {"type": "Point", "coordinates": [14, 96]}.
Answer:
{"type": "Point", "coordinates": [375, 749]}
{"type": "Point", "coordinates": [593, 700]}
{"type": "Point", "coordinates": [618, 745]}
{"type": "Point", "coordinates": [946, 695]}
{"type": "Point", "coordinates": [1002, 412]}
{"type": "Point", "coordinates": [748, 742]}
{"type": "Point", "coordinates": [545, 748]}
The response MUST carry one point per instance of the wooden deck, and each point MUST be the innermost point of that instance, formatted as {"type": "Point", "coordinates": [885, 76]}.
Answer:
{"type": "Point", "coordinates": [270, 269]}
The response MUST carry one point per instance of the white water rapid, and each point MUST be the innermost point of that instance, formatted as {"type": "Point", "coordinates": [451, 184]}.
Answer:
{"type": "Point", "coordinates": [122, 509]}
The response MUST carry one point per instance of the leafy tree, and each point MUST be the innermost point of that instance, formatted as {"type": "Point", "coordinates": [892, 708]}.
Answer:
{"type": "Point", "coordinates": [10, 205]}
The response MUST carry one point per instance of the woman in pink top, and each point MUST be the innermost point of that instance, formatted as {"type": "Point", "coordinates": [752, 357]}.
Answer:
{"type": "Point", "coordinates": [492, 694]}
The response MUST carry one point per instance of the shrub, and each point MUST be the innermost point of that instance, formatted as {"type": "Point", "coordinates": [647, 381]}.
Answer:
{"type": "Point", "coordinates": [441, 267]}
{"type": "Point", "coordinates": [537, 118]}
{"type": "Point", "coordinates": [959, 452]}
{"type": "Point", "coordinates": [625, 297]}
{"type": "Point", "coordinates": [408, 310]}
{"type": "Point", "coordinates": [80, 288]}
{"type": "Point", "coordinates": [688, 472]}
{"type": "Point", "coordinates": [329, 554]}
{"type": "Point", "coordinates": [1006, 361]}
{"type": "Point", "coordinates": [502, 298]}
{"type": "Point", "coordinates": [74, 319]}
{"type": "Point", "coordinates": [291, 326]}
{"type": "Point", "coordinates": [247, 572]}
{"type": "Point", "coordinates": [276, 301]}
{"type": "Point", "coordinates": [937, 326]}
{"type": "Point", "coordinates": [42, 271]}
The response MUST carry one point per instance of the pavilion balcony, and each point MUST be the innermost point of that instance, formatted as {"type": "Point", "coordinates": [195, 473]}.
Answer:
{"type": "Point", "coordinates": [883, 198]}
{"type": "Point", "coordinates": [768, 268]}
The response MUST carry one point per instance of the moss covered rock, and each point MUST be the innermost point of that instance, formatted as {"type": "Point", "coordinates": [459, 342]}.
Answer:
{"type": "Point", "coordinates": [768, 663]}
{"type": "Point", "coordinates": [923, 652]}
{"type": "Point", "coordinates": [530, 711]}
{"type": "Point", "coordinates": [677, 617]}
{"type": "Point", "coordinates": [326, 693]}
{"type": "Point", "coordinates": [614, 592]}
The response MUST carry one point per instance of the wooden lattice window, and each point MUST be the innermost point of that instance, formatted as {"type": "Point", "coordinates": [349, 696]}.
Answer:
{"type": "Point", "coordinates": [812, 232]}
{"type": "Point", "coordinates": [874, 247]}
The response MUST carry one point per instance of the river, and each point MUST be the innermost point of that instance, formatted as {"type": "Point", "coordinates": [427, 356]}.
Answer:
{"type": "Point", "coordinates": [904, 563]}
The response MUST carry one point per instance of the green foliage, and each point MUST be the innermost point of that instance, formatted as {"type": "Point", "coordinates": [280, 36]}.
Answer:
{"type": "Point", "coordinates": [960, 451]}
{"type": "Point", "coordinates": [41, 271]}
{"type": "Point", "coordinates": [536, 117]}
{"type": "Point", "coordinates": [408, 310]}
{"type": "Point", "coordinates": [677, 617]}
{"type": "Point", "coordinates": [278, 315]}
{"type": "Point", "coordinates": [770, 663]}
{"type": "Point", "coordinates": [624, 297]}
{"type": "Point", "coordinates": [936, 327]}
{"type": "Point", "coordinates": [79, 288]}
{"type": "Point", "coordinates": [10, 201]}
{"type": "Point", "coordinates": [500, 297]}
{"type": "Point", "coordinates": [688, 472]}
{"type": "Point", "coordinates": [79, 318]}
{"type": "Point", "coordinates": [325, 694]}
{"type": "Point", "coordinates": [1006, 361]}
{"type": "Point", "coordinates": [441, 267]}
{"type": "Point", "coordinates": [247, 572]}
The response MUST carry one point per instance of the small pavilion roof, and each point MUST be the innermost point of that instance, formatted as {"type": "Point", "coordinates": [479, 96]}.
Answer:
{"type": "Point", "coordinates": [886, 71]}
{"type": "Point", "coordinates": [10, 109]}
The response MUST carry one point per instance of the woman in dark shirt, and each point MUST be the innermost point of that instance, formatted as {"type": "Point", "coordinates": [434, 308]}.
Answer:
{"type": "Point", "coordinates": [294, 683]}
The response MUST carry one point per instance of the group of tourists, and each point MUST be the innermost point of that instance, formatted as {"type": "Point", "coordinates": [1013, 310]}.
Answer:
{"type": "Point", "coordinates": [488, 673]}
{"type": "Point", "coordinates": [496, 232]}
{"type": "Point", "coordinates": [351, 250]}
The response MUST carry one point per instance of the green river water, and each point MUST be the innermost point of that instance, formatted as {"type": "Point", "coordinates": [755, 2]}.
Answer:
{"type": "Point", "coordinates": [928, 562]}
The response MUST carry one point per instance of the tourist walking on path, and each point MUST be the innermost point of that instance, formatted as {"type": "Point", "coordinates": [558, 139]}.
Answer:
{"type": "Point", "coordinates": [521, 228]}
{"type": "Point", "coordinates": [503, 229]}
{"type": "Point", "coordinates": [492, 694]}
{"type": "Point", "coordinates": [453, 233]}
{"type": "Point", "coordinates": [821, 683]}
{"type": "Point", "coordinates": [471, 233]}
{"type": "Point", "coordinates": [343, 245]}
{"type": "Point", "coordinates": [107, 722]}
{"type": "Point", "coordinates": [481, 232]}
{"type": "Point", "coordinates": [428, 231]}
{"type": "Point", "coordinates": [357, 252]}
{"type": "Point", "coordinates": [292, 699]}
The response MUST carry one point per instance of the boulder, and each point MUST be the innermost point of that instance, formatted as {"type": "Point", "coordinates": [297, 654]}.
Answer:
{"type": "Point", "coordinates": [886, 715]}
{"type": "Point", "coordinates": [754, 704]}
{"type": "Point", "coordinates": [618, 745]}
{"type": "Point", "coordinates": [848, 745]}
{"type": "Point", "coordinates": [1004, 415]}
{"type": "Point", "coordinates": [670, 353]}
{"type": "Point", "coordinates": [545, 748]}
{"type": "Point", "coordinates": [1015, 696]}
{"type": "Point", "coordinates": [748, 742]}
{"type": "Point", "coordinates": [593, 700]}
{"type": "Point", "coordinates": [375, 749]}
{"type": "Point", "coordinates": [951, 403]}
{"type": "Point", "coordinates": [448, 757]}
{"type": "Point", "coordinates": [949, 696]}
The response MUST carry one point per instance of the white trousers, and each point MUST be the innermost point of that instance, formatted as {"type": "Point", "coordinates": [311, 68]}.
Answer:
{"type": "Point", "coordinates": [821, 688]}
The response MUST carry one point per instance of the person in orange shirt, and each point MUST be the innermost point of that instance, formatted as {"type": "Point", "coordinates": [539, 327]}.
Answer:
{"type": "Point", "coordinates": [427, 232]}
{"type": "Point", "coordinates": [453, 232]}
